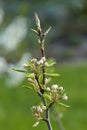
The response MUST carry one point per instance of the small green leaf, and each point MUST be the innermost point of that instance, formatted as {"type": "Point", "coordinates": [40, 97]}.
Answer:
{"type": "Point", "coordinates": [47, 31]}
{"type": "Point", "coordinates": [48, 80]}
{"type": "Point", "coordinates": [29, 75]}
{"type": "Point", "coordinates": [27, 87]}
{"type": "Point", "coordinates": [23, 71]}
{"type": "Point", "coordinates": [50, 64]}
{"type": "Point", "coordinates": [37, 21]}
{"type": "Point", "coordinates": [64, 105]}
{"type": "Point", "coordinates": [34, 31]}
{"type": "Point", "coordinates": [36, 124]}
{"type": "Point", "coordinates": [40, 78]}
{"type": "Point", "coordinates": [53, 74]}
{"type": "Point", "coordinates": [47, 96]}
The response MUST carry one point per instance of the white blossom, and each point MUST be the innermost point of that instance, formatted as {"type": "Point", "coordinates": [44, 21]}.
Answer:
{"type": "Point", "coordinates": [65, 97]}
{"type": "Point", "coordinates": [61, 88]}
{"type": "Point", "coordinates": [44, 107]}
{"type": "Point", "coordinates": [42, 60]}
{"type": "Point", "coordinates": [39, 109]}
{"type": "Point", "coordinates": [33, 60]}
{"type": "Point", "coordinates": [25, 65]}
{"type": "Point", "coordinates": [48, 89]}
{"type": "Point", "coordinates": [54, 86]}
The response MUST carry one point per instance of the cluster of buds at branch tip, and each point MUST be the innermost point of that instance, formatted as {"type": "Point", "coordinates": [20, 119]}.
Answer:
{"type": "Point", "coordinates": [37, 112]}
{"type": "Point", "coordinates": [56, 93]}
{"type": "Point", "coordinates": [38, 23]}
{"type": "Point", "coordinates": [39, 30]}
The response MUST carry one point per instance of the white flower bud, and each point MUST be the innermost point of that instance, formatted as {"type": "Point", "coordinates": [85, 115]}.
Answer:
{"type": "Point", "coordinates": [33, 60]}
{"type": "Point", "coordinates": [39, 109]}
{"type": "Point", "coordinates": [54, 86]}
{"type": "Point", "coordinates": [25, 65]}
{"type": "Point", "coordinates": [42, 60]}
{"type": "Point", "coordinates": [44, 107]}
{"type": "Point", "coordinates": [65, 97]}
{"type": "Point", "coordinates": [48, 89]}
{"type": "Point", "coordinates": [61, 88]}
{"type": "Point", "coordinates": [34, 107]}
{"type": "Point", "coordinates": [30, 80]}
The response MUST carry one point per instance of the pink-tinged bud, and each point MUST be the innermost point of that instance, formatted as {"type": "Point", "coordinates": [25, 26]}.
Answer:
{"type": "Point", "coordinates": [39, 109]}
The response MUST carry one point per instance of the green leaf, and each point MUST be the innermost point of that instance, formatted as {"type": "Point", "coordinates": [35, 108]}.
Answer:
{"type": "Point", "coordinates": [50, 64]}
{"type": "Point", "coordinates": [64, 105]}
{"type": "Point", "coordinates": [48, 97]}
{"type": "Point", "coordinates": [40, 78]}
{"type": "Point", "coordinates": [51, 60]}
{"type": "Point", "coordinates": [23, 71]}
{"type": "Point", "coordinates": [37, 21]}
{"type": "Point", "coordinates": [27, 87]}
{"type": "Point", "coordinates": [48, 80]}
{"type": "Point", "coordinates": [53, 74]}
{"type": "Point", "coordinates": [36, 124]}
{"type": "Point", "coordinates": [47, 31]}
{"type": "Point", "coordinates": [34, 31]}
{"type": "Point", "coordinates": [29, 75]}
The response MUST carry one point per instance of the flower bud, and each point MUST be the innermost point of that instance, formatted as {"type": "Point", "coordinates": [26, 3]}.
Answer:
{"type": "Point", "coordinates": [54, 86]}
{"type": "Point", "coordinates": [41, 61]}
{"type": "Point", "coordinates": [39, 109]}
{"type": "Point", "coordinates": [48, 89]}
{"type": "Point", "coordinates": [25, 65]}
{"type": "Point", "coordinates": [30, 80]}
{"type": "Point", "coordinates": [65, 97]}
{"type": "Point", "coordinates": [44, 107]}
{"type": "Point", "coordinates": [61, 88]}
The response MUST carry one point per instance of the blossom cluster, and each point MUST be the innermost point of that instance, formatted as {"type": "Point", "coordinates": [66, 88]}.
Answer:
{"type": "Point", "coordinates": [38, 111]}
{"type": "Point", "coordinates": [57, 93]}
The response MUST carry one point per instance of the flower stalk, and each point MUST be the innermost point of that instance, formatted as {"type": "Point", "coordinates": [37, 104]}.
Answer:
{"type": "Point", "coordinates": [37, 73]}
{"type": "Point", "coordinates": [41, 43]}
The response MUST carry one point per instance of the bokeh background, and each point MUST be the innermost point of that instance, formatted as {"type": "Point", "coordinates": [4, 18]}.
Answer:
{"type": "Point", "coordinates": [66, 42]}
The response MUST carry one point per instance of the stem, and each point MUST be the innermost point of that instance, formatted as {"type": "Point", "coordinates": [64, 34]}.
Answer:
{"type": "Point", "coordinates": [43, 55]}
{"type": "Point", "coordinates": [41, 38]}
{"type": "Point", "coordinates": [47, 120]}
{"type": "Point", "coordinates": [44, 78]}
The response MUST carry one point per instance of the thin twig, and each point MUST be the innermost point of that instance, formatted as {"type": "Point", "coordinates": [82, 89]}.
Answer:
{"type": "Point", "coordinates": [41, 38]}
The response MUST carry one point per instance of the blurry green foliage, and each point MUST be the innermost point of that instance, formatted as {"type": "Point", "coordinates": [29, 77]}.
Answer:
{"type": "Point", "coordinates": [15, 103]}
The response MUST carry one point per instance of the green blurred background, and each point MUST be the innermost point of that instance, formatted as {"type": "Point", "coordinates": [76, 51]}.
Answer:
{"type": "Point", "coordinates": [66, 42]}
